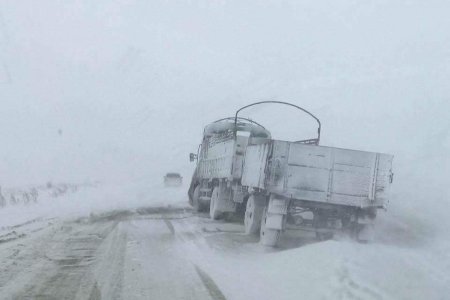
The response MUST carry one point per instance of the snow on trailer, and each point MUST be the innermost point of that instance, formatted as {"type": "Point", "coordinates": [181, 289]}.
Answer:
{"type": "Point", "coordinates": [281, 183]}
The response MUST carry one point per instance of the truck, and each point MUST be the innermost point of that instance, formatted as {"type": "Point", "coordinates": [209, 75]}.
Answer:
{"type": "Point", "coordinates": [280, 184]}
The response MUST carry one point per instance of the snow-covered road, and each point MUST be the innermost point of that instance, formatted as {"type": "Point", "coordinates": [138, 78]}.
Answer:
{"type": "Point", "coordinates": [168, 252]}
{"type": "Point", "coordinates": [120, 255]}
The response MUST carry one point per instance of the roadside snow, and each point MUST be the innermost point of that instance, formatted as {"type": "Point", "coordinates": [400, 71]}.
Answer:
{"type": "Point", "coordinates": [409, 258]}
{"type": "Point", "coordinates": [93, 200]}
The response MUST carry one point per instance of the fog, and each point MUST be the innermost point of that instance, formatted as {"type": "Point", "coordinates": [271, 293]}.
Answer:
{"type": "Point", "coordinates": [117, 93]}
{"type": "Point", "coordinates": [119, 90]}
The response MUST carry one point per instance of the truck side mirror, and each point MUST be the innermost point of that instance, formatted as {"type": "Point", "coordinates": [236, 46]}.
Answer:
{"type": "Point", "coordinates": [192, 157]}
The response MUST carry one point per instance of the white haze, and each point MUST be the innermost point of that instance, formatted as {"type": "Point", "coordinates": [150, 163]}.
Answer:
{"type": "Point", "coordinates": [120, 90]}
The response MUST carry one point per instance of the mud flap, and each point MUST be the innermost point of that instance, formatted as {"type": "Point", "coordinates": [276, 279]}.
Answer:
{"type": "Point", "coordinates": [225, 203]}
{"type": "Point", "coordinates": [275, 221]}
{"type": "Point", "coordinates": [276, 213]}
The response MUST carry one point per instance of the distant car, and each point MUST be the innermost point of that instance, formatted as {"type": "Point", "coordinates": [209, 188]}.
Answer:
{"type": "Point", "coordinates": [173, 179]}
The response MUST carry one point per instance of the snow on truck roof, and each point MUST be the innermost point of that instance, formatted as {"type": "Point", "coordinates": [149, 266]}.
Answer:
{"type": "Point", "coordinates": [225, 125]}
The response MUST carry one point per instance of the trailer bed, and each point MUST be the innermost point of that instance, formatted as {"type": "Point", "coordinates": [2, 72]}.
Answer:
{"type": "Point", "coordinates": [318, 173]}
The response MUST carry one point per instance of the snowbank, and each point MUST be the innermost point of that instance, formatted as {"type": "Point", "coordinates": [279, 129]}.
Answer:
{"type": "Point", "coordinates": [92, 200]}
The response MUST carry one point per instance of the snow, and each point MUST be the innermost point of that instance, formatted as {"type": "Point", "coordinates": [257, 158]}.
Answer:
{"type": "Point", "coordinates": [89, 200]}
{"type": "Point", "coordinates": [408, 259]}
{"type": "Point", "coordinates": [120, 91]}
{"type": "Point", "coordinates": [228, 126]}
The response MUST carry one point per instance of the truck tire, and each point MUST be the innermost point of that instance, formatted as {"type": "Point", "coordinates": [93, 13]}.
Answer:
{"type": "Point", "coordinates": [324, 236]}
{"type": "Point", "coordinates": [214, 212]}
{"type": "Point", "coordinates": [268, 237]}
{"type": "Point", "coordinates": [253, 215]}
{"type": "Point", "coordinates": [320, 225]}
{"type": "Point", "coordinates": [364, 228]}
{"type": "Point", "coordinates": [364, 233]}
{"type": "Point", "coordinates": [198, 207]}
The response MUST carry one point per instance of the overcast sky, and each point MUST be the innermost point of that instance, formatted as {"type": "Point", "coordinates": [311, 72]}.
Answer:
{"type": "Point", "coordinates": [115, 90]}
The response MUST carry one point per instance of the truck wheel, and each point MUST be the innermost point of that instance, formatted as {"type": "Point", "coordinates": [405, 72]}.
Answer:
{"type": "Point", "coordinates": [364, 233]}
{"type": "Point", "coordinates": [269, 237]}
{"type": "Point", "coordinates": [253, 215]}
{"type": "Point", "coordinates": [198, 207]}
{"type": "Point", "coordinates": [324, 236]}
{"type": "Point", "coordinates": [320, 225]}
{"type": "Point", "coordinates": [214, 212]}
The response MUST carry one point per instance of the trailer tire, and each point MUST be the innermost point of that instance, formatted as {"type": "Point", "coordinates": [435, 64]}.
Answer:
{"type": "Point", "coordinates": [268, 236]}
{"type": "Point", "coordinates": [364, 233]}
{"type": "Point", "coordinates": [198, 207]}
{"type": "Point", "coordinates": [214, 212]}
{"type": "Point", "coordinates": [253, 215]}
{"type": "Point", "coordinates": [324, 236]}
{"type": "Point", "coordinates": [320, 225]}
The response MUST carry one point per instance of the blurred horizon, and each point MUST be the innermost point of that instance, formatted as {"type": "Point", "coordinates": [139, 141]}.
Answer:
{"type": "Point", "coordinates": [120, 90]}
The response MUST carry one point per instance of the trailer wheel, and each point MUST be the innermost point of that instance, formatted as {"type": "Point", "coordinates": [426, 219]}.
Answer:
{"type": "Point", "coordinates": [198, 207]}
{"type": "Point", "coordinates": [324, 236]}
{"type": "Point", "coordinates": [268, 237]}
{"type": "Point", "coordinates": [214, 212]}
{"type": "Point", "coordinates": [364, 233]}
{"type": "Point", "coordinates": [253, 215]}
{"type": "Point", "coordinates": [320, 225]}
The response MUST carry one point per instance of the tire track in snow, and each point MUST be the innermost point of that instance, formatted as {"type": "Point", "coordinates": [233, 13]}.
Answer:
{"type": "Point", "coordinates": [352, 290]}
{"type": "Point", "coordinates": [170, 226]}
{"type": "Point", "coordinates": [66, 271]}
{"type": "Point", "coordinates": [210, 285]}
